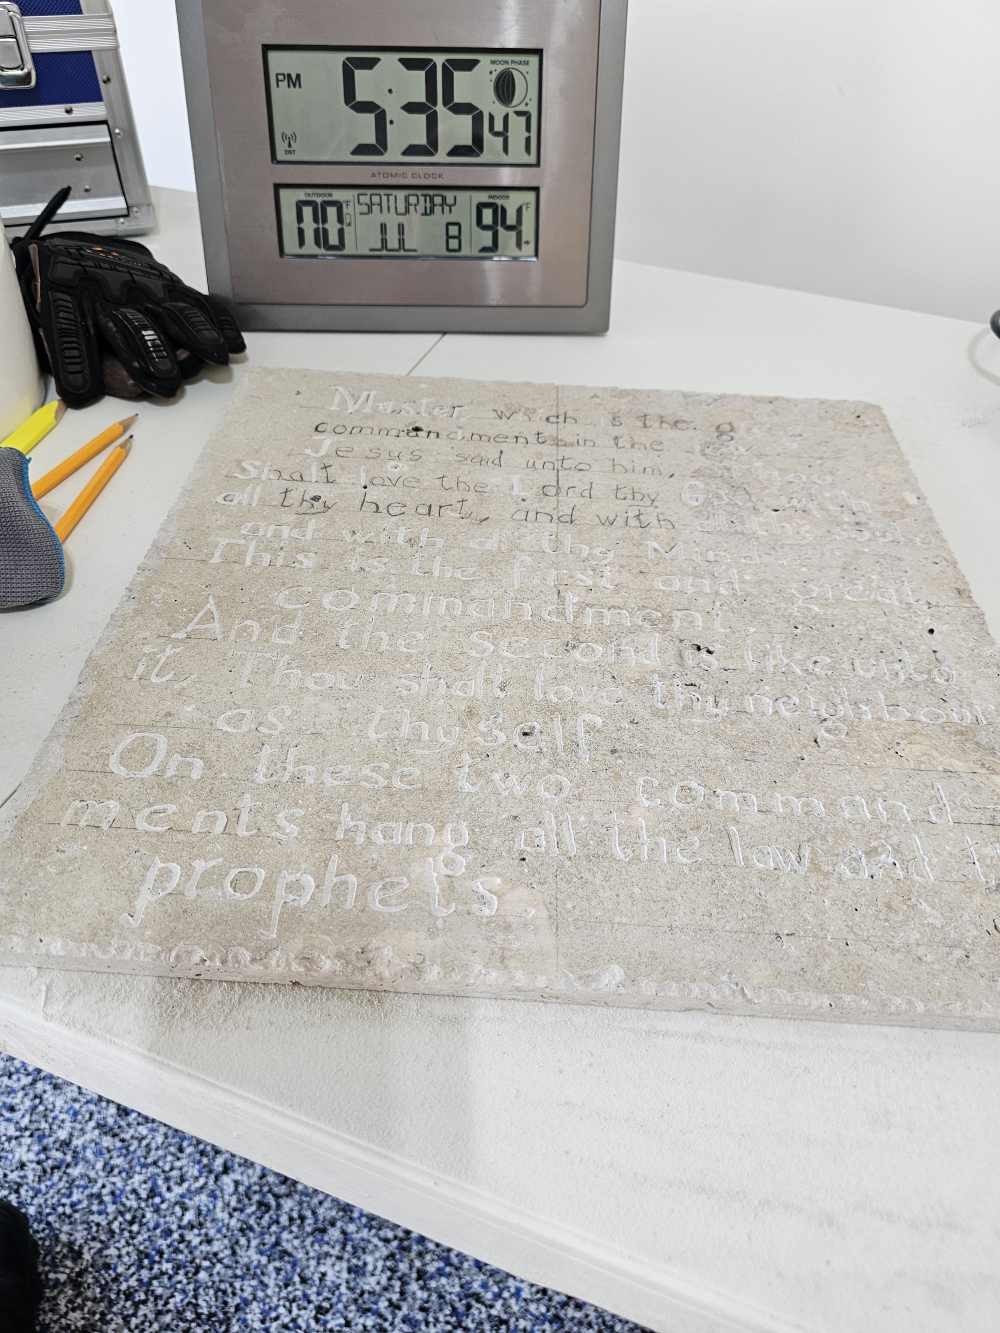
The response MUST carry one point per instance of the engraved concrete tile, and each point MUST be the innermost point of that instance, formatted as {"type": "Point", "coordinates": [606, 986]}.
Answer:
{"type": "Point", "coordinates": [596, 695]}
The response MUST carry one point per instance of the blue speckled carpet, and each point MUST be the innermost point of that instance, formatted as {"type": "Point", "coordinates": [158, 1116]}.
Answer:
{"type": "Point", "coordinates": [144, 1230]}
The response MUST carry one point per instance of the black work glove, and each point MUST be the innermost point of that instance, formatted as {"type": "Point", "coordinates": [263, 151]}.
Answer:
{"type": "Point", "coordinates": [110, 319]}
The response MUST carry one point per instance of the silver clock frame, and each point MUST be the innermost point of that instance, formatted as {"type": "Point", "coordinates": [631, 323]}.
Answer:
{"type": "Point", "coordinates": [566, 290]}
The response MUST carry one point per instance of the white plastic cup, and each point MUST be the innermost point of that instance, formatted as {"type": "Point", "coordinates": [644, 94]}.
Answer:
{"type": "Point", "coordinates": [21, 384]}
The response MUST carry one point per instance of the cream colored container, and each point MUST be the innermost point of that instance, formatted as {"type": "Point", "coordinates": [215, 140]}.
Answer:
{"type": "Point", "coordinates": [21, 383]}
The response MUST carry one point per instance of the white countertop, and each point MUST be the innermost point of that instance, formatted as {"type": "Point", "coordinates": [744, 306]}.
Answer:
{"type": "Point", "coordinates": [698, 1173]}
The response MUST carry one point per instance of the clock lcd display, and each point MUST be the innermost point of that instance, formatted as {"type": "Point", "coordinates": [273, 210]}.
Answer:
{"type": "Point", "coordinates": [345, 222]}
{"type": "Point", "coordinates": [356, 105]}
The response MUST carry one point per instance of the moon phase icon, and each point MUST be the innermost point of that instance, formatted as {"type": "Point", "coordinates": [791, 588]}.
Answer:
{"type": "Point", "coordinates": [510, 87]}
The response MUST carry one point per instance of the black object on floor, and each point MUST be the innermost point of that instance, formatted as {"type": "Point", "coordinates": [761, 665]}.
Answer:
{"type": "Point", "coordinates": [20, 1284]}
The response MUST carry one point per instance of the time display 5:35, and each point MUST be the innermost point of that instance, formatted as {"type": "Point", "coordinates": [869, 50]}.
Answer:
{"type": "Point", "coordinates": [342, 105]}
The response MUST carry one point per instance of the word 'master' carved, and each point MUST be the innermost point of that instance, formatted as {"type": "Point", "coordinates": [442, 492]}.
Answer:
{"type": "Point", "coordinates": [494, 689]}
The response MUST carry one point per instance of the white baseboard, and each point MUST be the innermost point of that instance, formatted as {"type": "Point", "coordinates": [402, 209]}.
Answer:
{"type": "Point", "coordinates": [448, 1211]}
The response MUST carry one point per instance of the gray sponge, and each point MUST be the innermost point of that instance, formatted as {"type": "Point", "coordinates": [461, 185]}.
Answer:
{"type": "Point", "coordinates": [32, 568]}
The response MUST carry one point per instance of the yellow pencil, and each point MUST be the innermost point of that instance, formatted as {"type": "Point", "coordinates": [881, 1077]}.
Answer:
{"type": "Point", "coordinates": [92, 489]}
{"type": "Point", "coordinates": [76, 461]}
{"type": "Point", "coordinates": [35, 429]}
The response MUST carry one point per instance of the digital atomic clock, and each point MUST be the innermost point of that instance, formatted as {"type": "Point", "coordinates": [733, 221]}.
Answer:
{"type": "Point", "coordinates": [408, 166]}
